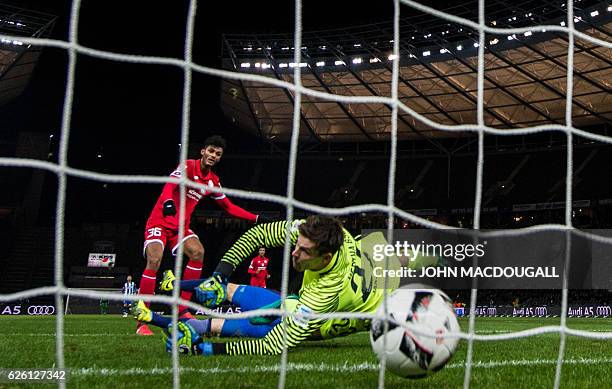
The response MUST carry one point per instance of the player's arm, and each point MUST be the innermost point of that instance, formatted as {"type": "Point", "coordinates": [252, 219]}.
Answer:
{"type": "Point", "coordinates": [252, 267]}
{"type": "Point", "coordinates": [266, 235]}
{"type": "Point", "coordinates": [235, 210]}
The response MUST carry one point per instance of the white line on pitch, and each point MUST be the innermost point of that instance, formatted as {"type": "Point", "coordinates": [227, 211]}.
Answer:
{"type": "Point", "coordinates": [132, 334]}
{"type": "Point", "coordinates": [322, 367]}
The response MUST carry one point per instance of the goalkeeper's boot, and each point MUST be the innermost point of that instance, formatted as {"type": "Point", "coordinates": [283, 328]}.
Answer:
{"type": "Point", "coordinates": [167, 283]}
{"type": "Point", "coordinates": [142, 313]}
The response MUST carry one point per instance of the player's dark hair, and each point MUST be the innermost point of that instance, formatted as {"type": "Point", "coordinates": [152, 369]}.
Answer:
{"type": "Point", "coordinates": [325, 231]}
{"type": "Point", "coordinates": [215, 140]}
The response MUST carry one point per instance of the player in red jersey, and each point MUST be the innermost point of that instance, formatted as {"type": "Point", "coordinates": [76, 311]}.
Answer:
{"type": "Point", "coordinates": [259, 269]}
{"type": "Point", "coordinates": [163, 225]}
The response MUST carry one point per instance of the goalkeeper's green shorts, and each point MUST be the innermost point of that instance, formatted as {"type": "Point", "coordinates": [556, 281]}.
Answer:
{"type": "Point", "coordinates": [342, 327]}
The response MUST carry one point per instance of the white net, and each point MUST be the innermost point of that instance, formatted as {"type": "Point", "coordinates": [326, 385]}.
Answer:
{"type": "Point", "coordinates": [63, 170]}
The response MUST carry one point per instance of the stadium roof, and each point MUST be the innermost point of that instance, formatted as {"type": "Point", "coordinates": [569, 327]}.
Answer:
{"type": "Point", "coordinates": [17, 59]}
{"type": "Point", "coordinates": [525, 77]}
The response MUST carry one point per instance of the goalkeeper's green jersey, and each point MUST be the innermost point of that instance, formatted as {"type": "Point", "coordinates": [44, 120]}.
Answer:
{"type": "Point", "coordinates": [339, 287]}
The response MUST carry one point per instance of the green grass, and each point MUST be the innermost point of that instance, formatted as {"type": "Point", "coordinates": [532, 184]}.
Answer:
{"type": "Point", "coordinates": [103, 351]}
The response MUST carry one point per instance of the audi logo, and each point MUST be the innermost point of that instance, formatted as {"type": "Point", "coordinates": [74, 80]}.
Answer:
{"type": "Point", "coordinates": [604, 311]}
{"type": "Point", "coordinates": [41, 310]}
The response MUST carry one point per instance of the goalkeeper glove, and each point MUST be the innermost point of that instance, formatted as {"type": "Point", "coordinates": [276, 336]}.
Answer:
{"type": "Point", "coordinates": [187, 339]}
{"type": "Point", "coordinates": [212, 291]}
{"type": "Point", "coordinates": [169, 209]}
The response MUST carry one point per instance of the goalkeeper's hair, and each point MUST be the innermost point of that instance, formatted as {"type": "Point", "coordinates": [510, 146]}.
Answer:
{"type": "Point", "coordinates": [216, 141]}
{"type": "Point", "coordinates": [325, 231]}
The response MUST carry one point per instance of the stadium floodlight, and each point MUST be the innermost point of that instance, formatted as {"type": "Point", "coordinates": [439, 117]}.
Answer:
{"type": "Point", "coordinates": [594, 13]}
{"type": "Point", "coordinates": [303, 64]}
{"type": "Point", "coordinates": [282, 65]}
{"type": "Point", "coordinates": [357, 60]}
{"type": "Point", "coordinates": [357, 45]}
{"type": "Point", "coordinates": [610, 8]}
{"type": "Point", "coordinates": [320, 63]}
{"type": "Point", "coordinates": [284, 48]}
{"type": "Point", "coordinates": [291, 64]}
{"type": "Point", "coordinates": [494, 41]}
{"type": "Point", "coordinates": [476, 44]}
{"type": "Point", "coordinates": [245, 65]}
{"type": "Point", "coordinates": [426, 53]}
{"type": "Point", "coordinates": [257, 65]}
{"type": "Point", "coordinates": [339, 62]}
{"type": "Point", "coordinates": [265, 66]}
{"type": "Point", "coordinates": [392, 57]}
{"type": "Point", "coordinates": [528, 33]}
{"type": "Point", "coordinates": [494, 23]}
{"type": "Point", "coordinates": [510, 37]}
{"type": "Point", "coordinates": [442, 51]}
{"type": "Point", "coordinates": [323, 47]}
{"type": "Point", "coordinates": [562, 24]}
{"type": "Point", "coordinates": [374, 60]}
{"type": "Point", "coordinates": [459, 48]}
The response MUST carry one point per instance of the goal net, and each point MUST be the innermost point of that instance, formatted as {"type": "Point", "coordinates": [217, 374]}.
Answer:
{"type": "Point", "coordinates": [63, 170]}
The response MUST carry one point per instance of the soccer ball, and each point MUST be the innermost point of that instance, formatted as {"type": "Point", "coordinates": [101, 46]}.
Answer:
{"type": "Point", "coordinates": [426, 311]}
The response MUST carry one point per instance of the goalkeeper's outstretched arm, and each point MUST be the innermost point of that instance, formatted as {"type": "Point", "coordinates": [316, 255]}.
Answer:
{"type": "Point", "coordinates": [266, 235]}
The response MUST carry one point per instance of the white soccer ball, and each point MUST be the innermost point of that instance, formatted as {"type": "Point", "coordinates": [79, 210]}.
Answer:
{"type": "Point", "coordinates": [425, 311]}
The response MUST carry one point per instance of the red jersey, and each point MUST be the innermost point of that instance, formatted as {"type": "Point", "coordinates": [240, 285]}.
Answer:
{"type": "Point", "coordinates": [171, 191]}
{"type": "Point", "coordinates": [261, 264]}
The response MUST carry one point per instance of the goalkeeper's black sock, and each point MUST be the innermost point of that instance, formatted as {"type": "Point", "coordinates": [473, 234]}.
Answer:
{"type": "Point", "coordinates": [159, 320]}
{"type": "Point", "coordinates": [202, 327]}
{"type": "Point", "coordinates": [190, 284]}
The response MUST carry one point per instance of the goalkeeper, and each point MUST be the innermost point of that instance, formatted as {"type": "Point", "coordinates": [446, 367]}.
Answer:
{"type": "Point", "coordinates": [335, 280]}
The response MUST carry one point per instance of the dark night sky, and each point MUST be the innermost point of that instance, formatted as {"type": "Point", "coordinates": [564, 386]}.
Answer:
{"type": "Point", "coordinates": [137, 107]}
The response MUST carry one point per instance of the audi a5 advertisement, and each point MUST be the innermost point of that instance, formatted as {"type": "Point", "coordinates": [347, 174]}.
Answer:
{"type": "Point", "coordinates": [27, 309]}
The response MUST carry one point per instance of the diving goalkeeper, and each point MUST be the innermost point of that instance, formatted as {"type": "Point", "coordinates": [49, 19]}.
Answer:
{"type": "Point", "coordinates": [333, 281]}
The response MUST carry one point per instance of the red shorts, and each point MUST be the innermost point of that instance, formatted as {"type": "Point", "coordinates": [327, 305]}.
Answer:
{"type": "Point", "coordinates": [258, 282]}
{"type": "Point", "coordinates": [162, 235]}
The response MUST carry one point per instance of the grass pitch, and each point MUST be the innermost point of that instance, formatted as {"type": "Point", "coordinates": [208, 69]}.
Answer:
{"type": "Point", "coordinates": [102, 351]}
